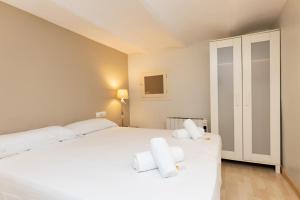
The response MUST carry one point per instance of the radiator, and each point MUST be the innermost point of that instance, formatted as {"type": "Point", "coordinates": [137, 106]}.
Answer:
{"type": "Point", "coordinates": [177, 122]}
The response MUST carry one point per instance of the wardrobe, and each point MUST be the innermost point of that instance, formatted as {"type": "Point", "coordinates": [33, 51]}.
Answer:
{"type": "Point", "coordinates": [245, 97]}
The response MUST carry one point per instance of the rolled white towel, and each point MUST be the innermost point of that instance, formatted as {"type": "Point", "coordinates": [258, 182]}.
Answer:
{"type": "Point", "coordinates": [162, 157]}
{"type": "Point", "coordinates": [192, 129]}
{"type": "Point", "coordinates": [144, 161]}
{"type": "Point", "coordinates": [183, 134]}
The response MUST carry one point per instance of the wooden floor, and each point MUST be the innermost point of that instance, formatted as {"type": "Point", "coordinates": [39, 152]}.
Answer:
{"type": "Point", "coordinates": [253, 182]}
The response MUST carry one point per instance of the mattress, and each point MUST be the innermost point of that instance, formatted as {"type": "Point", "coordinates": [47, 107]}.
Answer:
{"type": "Point", "coordinates": [98, 166]}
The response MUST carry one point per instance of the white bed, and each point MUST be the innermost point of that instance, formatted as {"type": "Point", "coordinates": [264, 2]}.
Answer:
{"type": "Point", "coordinates": [98, 166]}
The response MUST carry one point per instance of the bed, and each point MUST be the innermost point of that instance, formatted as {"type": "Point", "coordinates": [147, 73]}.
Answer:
{"type": "Point", "coordinates": [98, 166]}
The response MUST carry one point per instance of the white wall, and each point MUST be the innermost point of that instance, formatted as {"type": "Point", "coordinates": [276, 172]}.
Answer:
{"type": "Point", "coordinates": [290, 69]}
{"type": "Point", "coordinates": [188, 85]}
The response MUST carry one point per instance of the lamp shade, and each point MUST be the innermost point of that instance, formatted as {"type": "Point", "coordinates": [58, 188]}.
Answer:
{"type": "Point", "coordinates": [122, 94]}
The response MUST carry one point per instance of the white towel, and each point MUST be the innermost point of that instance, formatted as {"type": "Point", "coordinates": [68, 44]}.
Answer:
{"type": "Point", "coordinates": [144, 161]}
{"type": "Point", "coordinates": [192, 129]}
{"type": "Point", "coordinates": [183, 134]}
{"type": "Point", "coordinates": [162, 157]}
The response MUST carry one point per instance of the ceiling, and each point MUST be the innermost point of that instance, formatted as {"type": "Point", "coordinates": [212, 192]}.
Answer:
{"type": "Point", "coordinates": [135, 26]}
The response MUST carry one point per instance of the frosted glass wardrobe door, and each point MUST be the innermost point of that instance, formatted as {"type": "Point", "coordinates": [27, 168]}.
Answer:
{"type": "Point", "coordinates": [261, 90]}
{"type": "Point", "coordinates": [226, 95]}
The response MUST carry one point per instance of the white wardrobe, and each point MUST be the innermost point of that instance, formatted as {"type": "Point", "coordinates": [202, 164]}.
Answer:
{"type": "Point", "coordinates": [245, 96]}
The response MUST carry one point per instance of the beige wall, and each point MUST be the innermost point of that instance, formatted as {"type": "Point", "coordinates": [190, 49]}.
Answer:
{"type": "Point", "coordinates": [290, 41]}
{"type": "Point", "coordinates": [188, 85]}
{"type": "Point", "coordinates": [49, 75]}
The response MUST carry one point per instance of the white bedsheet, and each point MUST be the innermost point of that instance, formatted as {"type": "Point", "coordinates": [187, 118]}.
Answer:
{"type": "Point", "coordinates": [98, 167]}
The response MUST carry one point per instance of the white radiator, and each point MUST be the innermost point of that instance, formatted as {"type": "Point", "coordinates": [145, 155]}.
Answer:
{"type": "Point", "coordinates": [177, 122]}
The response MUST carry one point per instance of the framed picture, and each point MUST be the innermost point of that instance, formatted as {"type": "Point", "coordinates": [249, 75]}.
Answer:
{"type": "Point", "coordinates": [154, 85]}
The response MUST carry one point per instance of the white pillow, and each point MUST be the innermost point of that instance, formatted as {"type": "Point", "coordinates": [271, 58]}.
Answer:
{"type": "Point", "coordinates": [15, 143]}
{"type": "Point", "coordinates": [60, 133]}
{"type": "Point", "coordinates": [91, 125]}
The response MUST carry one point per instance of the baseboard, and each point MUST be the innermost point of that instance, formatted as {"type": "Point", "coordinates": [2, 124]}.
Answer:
{"type": "Point", "coordinates": [291, 182]}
